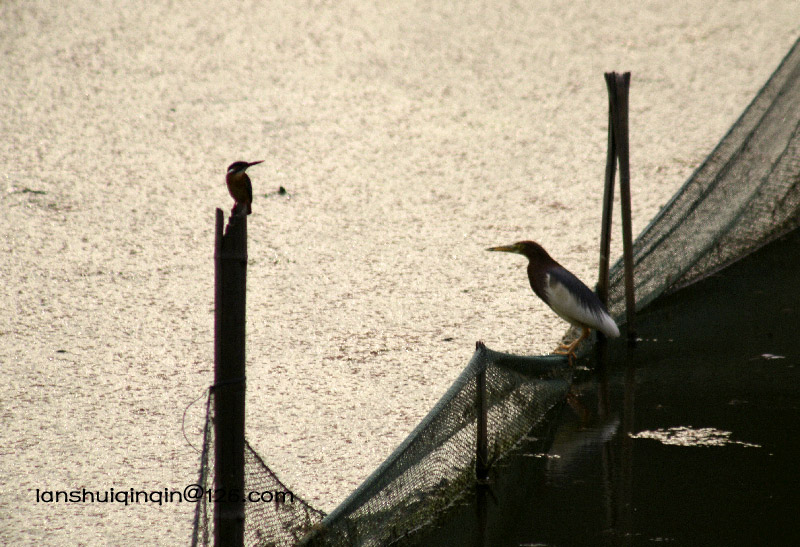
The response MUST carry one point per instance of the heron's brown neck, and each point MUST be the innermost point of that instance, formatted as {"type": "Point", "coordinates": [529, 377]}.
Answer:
{"type": "Point", "coordinates": [536, 254]}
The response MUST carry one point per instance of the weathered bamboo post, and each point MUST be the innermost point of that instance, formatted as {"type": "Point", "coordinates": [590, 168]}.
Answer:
{"type": "Point", "coordinates": [621, 139]}
{"type": "Point", "coordinates": [230, 276]}
{"type": "Point", "coordinates": [608, 198]}
{"type": "Point", "coordinates": [482, 444]}
{"type": "Point", "coordinates": [618, 150]}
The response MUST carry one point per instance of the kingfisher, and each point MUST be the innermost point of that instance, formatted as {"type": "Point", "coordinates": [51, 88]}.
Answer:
{"type": "Point", "coordinates": [239, 186]}
{"type": "Point", "coordinates": [564, 293]}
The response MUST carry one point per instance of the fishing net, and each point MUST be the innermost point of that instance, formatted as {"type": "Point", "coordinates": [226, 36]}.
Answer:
{"type": "Point", "coordinates": [434, 464]}
{"type": "Point", "coordinates": [746, 193]}
{"type": "Point", "coordinates": [279, 517]}
{"type": "Point", "coordinates": [437, 460]}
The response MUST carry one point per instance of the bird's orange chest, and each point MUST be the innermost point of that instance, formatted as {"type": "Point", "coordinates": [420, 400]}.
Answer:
{"type": "Point", "coordinates": [238, 186]}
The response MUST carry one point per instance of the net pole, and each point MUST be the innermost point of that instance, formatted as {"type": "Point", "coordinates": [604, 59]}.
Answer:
{"type": "Point", "coordinates": [608, 196]}
{"type": "Point", "coordinates": [230, 273]}
{"type": "Point", "coordinates": [622, 145]}
{"type": "Point", "coordinates": [482, 443]}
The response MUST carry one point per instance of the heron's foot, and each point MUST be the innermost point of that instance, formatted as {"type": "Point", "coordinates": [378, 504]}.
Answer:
{"type": "Point", "coordinates": [567, 350]}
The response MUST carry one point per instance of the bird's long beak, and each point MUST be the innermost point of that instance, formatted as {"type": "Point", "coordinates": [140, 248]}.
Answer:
{"type": "Point", "coordinates": [251, 164]}
{"type": "Point", "coordinates": [505, 249]}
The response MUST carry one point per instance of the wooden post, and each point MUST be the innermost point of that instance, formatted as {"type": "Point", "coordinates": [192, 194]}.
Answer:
{"type": "Point", "coordinates": [621, 139]}
{"type": "Point", "coordinates": [618, 150]}
{"type": "Point", "coordinates": [230, 272]}
{"type": "Point", "coordinates": [481, 462]}
{"type": "Point", "coordinates": [482, 444]}
{"type": "Point", "coordinates": [608, 196]}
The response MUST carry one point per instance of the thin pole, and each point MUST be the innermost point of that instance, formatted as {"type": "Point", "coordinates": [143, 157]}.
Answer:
{"type": "Point", "coordinates": [482, 444]}
{"type": "Point", "coordinates": [608, 194]}
{"type": "Point", "coordinates": [230, 274]}
{"type": "Point", "coordinates": [481, 462]}
{"type": "Point", "coordinates": [621, 139]}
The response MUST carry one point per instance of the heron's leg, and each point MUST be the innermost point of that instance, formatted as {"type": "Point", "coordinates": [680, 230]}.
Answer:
{"type": "Point", "coordinates": [569, 349]}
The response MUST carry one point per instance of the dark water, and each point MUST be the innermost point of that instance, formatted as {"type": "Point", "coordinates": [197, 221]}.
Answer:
{"type": "Point", "coordinates": [691, 438]}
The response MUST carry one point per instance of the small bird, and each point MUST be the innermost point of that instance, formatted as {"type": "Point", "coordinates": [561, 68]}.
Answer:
{"type": "Point", "coordinates": [564, 293]}
{"type": "Point", "coordinates": [239, 186]}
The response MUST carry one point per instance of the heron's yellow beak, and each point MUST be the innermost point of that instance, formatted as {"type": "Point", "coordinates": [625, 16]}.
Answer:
{"type": "Point", "coordinates": [505, 249]}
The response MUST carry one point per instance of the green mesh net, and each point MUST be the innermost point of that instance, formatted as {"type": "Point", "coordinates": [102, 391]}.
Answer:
{"type": "Point", "coordinates": [283, 521]}
{"type": "Point", "coordinates": [423, 475]}
{"type": "Point", "coordinates": [746, 193]}
{"type": "Point", "coordinates": [436, 462]}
